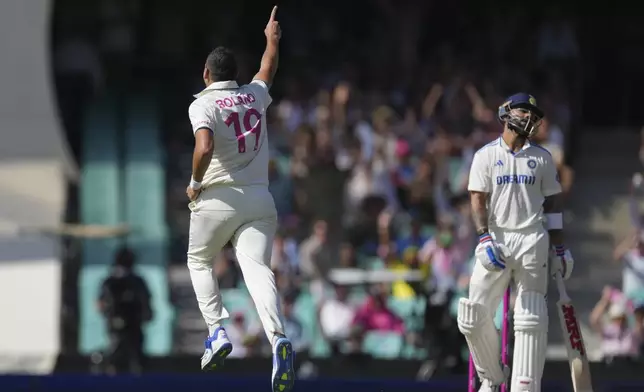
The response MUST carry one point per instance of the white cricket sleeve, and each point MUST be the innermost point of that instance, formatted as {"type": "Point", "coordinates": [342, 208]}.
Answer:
{"type": "Point", "coordinates": [260, 89]}
{"type": "Point", "coordinates": [480, 180]}
{"type": "Point", "coordinates": [550, 181]}
{"type": "Point", "coordinates": [200, 117]}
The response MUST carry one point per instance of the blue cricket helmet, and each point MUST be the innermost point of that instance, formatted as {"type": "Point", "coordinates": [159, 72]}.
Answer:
{"type": "Point", "coordinates": [524, 122]}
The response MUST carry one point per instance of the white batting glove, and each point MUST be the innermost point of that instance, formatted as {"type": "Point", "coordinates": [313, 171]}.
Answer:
{"type": "Point", "coordinates": [489, 254]}
{"type": "Point", "coordinates": [561, 261]}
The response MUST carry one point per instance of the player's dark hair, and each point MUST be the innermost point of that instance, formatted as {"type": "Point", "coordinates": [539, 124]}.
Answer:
{"type": "Point", "coordinates": [221, 64]}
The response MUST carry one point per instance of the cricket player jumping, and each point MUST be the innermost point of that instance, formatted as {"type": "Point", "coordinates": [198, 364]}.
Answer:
{"type": "Point", "coordinates": [230, 200]}
{"type": "Point", "coordinates": [514, 192]}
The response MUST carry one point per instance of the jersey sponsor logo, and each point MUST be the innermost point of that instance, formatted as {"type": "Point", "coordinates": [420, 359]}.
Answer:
{"type": "Point", "coordinates": [499, 163]}
{"type": "Point", "coordinates": [532, 163]}
{"type": "Point", "coordinates": [516, 179]}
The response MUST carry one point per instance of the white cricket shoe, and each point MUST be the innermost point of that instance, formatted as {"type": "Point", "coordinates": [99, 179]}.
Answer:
{"type": "Point", "coordinates": [218, 347]}
{"type": "Point", "coordinates": [283, 376]}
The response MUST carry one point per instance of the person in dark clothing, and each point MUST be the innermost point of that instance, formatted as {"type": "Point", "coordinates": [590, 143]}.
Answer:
{"type": "Point", "coordinates": [124, 301]}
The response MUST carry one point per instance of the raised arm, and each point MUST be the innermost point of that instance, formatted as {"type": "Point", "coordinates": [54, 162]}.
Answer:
{"type": "Point", "coordinates": [270, 59]}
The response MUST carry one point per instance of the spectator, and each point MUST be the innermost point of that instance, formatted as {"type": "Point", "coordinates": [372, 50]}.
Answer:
{"type": "Point", "coordinates": [416, 237]}
{"type": "Point", "coordinates": [446, 253]}
{"type": "Point", "coordinates": [315, 251]}
{"type": "Point", "coordinates": [293, 326]}
{"type": "Point", "coordinates": [406, 262]}
{"type": "Point", "coordinates": [412, 136]}
{"type": "Point", "coordinates": [280, 188]}
{"type": "Point", "coordinates": [609, 318]}
{"type": "Point", "coordinates": [630, 252]}
{"type": "Point", "coordinates": [636, 193]}
{"type": "Point", "coordinates": [348, 257]}
{"type": "Point", "coordinates": [550, 137]}
{"type": "Point", "coordinates": [245, 338]}
{"type": "Point", "coordinates": [226, 269]}
{"type": "Point", "coordinates": [374, 315]}
{"type": "Point", "coordinates": [284, 257]}
{"type": "Point", "coordinates": [639, 327]}
{"type": "Point", "coordinates": [316, 258]}
{"type": "Point", "coordinates": [403, 173]}
{"type": "Point", "coordinates": [421, 199]}
{"type": "Point", "coordinates": [124, 301]}
{"type": "Point", "coordinates": [400, 255]}
{"type": "Point", "coordinates": [336, 316]}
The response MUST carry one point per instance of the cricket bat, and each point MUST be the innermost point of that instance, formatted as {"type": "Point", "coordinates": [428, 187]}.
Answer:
{"type": "Point", "coordinates": [575, 347]}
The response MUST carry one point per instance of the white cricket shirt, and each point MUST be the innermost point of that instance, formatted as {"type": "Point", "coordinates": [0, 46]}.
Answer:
{"type": "Point", "coordinates": [517, 183]}
{"type": "Point", "coordinates": [236, 115]}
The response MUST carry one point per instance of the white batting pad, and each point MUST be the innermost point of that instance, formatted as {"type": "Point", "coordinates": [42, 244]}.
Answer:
{"type": "Point", "coordinates": [531, 340]}
{"type": "Point", "coordinates": [476, 324]}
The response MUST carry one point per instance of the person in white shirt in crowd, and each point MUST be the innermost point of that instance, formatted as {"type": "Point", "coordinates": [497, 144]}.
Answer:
{"type": "Point", "coordinates": [610, 319]}
{"type": "Point", "coordinates": [630, 253]}
{"type": "Point", "coordinates": [336, 316]}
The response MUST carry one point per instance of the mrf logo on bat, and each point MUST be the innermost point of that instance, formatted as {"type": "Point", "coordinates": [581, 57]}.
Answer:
{"type": "Point", "coordinates": [572, 326]}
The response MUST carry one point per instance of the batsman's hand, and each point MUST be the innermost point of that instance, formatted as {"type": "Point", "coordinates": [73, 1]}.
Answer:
{"type": "Point", "coordinates": [192, 193]}
{"type": "Point", "coordinates": [561, 261]}
{"type": "Point", "coordinates": [273, 31]}
{"type": "Point", "coordinates": [489, 253]}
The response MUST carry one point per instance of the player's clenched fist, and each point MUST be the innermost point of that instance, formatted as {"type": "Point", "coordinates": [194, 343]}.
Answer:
{"type": "Point", "coordinates": [561, 261]}
{"type": "Point", "coordinates": [273, 31]}
{"type": "Point", "coordinates": [489, 254]}
{"type": "Point", "coordinates": [192, 193]}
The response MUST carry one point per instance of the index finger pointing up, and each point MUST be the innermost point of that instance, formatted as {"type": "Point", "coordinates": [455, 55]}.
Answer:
{"type": "Point", "coordinates": [273, 12]}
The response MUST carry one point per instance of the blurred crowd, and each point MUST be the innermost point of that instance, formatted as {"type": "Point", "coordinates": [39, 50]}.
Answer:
{"type": "Point", "coordinates": [373, 127]}
{"type": "Point", "coordinates": [618, 316]}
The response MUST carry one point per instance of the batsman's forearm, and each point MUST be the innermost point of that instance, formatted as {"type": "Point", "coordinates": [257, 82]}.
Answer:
{"type": "Point", "coordinates": [200, 161]}
{"type": "Point", "coordinates": [478, 201]}
{"type": "Point", "coordinates": [479, 216]}
{"type": "Point", "coordinates": [270, 60]}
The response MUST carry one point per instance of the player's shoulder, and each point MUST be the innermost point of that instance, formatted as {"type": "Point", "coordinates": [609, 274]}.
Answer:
{"type": "Point", "coordinates": [542, 153]}
{"type": "Point", "coordinates": [540, 150]}
{"type": "Point", "coordinates": [256, 86]}
{"type": "Point", "coordinates": [201, 105]}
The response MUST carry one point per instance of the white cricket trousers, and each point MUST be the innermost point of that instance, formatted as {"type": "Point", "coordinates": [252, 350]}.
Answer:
{"type": "Point", "coordinates": [247, 216]}
{"type": "Point", "coordinates": [527, 265]}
